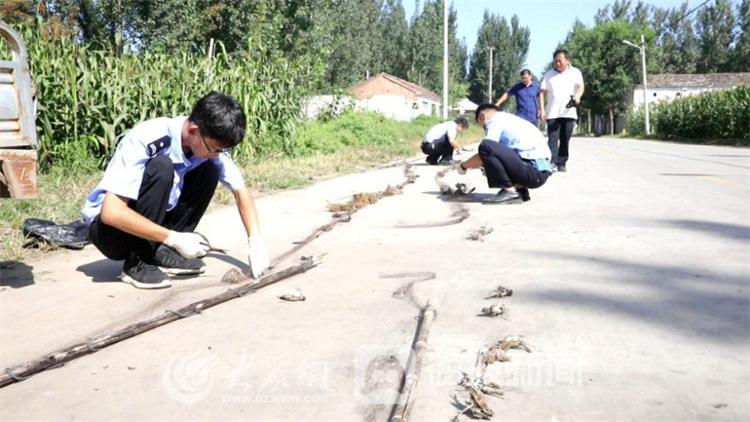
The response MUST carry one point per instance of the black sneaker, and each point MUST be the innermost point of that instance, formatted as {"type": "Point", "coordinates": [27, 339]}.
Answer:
{"type": "Point", "coordinates": [561, 168]}
{"type": "Point", "coordinates": [431, 161]}
{"type": "Point", "coordinates": [144, 276]}
{"type": "Point", "coordinates": [446, 161]}
{"type": "Point", "coordinates": [524, 192]}
{"type": "Point", "coordinates": [172, 263]}
{"type": "Point", "coordinates": [504, 197]}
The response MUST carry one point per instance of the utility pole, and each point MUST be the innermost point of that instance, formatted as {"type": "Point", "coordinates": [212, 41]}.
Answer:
{"type": "Point", "coordinates": [445, 59]}
{"type": "Point", "coordinates": [489, 90]}
{"type": "Point", "coordinates": [642, 48]}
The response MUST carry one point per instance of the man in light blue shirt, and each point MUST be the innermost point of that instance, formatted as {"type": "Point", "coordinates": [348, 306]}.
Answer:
{"type": "Point", "coordinates": [157, 186]}
{"type": "Point", "coordinates": [514, 154]}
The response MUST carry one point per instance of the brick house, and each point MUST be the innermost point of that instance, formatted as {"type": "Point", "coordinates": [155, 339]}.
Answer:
{"type": "Point", "coordinates": [395, 97]}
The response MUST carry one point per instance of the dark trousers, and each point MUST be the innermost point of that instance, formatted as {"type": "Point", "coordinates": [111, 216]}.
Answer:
{"type": "Point", "coordinates": [504, 168]}
{"type": "Point", "coordinates": [153, 197]}
{"type": "Point", "coordinates": [559, 132]}
{"type": "Point", "coordinates": [438, 149]}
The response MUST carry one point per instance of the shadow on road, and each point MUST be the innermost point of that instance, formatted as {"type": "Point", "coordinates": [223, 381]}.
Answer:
{"type": "Point", "coordinates": [694, 300]}
{"type": "Point", "coordinates": [16, 274]}
{"type": "Point", "coordinates": [731, 231]}
{"type": "Point", "coordinates": [476, 198]}
{"type": "Point", "coordinates": [102, 271]}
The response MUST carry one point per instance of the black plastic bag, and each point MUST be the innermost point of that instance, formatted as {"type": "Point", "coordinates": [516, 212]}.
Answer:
{"type": "Point", "coordinates": [73, 235]}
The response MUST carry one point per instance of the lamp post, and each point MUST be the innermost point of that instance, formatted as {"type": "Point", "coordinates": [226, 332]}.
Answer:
{"type": "Point", "coordinates": [489, 90]}
{"type": "Point", "coordinates": [445, 59]}
{"type": "Point", "coordinates": [642, 48]}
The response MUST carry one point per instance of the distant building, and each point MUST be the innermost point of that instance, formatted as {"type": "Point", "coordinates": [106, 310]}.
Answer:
{"type": "Point", "coordinates": [669, 86]}
{"type": "Point", "coordinates": [395, 97]}
{"type": "Point", "coordinates": [464, 106]}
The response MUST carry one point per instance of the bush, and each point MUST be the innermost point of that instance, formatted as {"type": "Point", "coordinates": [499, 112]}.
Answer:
{"type": "Point", "coordinates": [721, 117]}
{"type": "Point", "coordinates": [356, 128]}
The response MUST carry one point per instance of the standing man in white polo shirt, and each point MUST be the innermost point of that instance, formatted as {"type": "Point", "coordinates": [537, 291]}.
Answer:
{"type": "Point", "coordinates": [563, 87]}
{"type": "Point", "coordinates": [157, 186]}
{"type": "Point", "coordinates": [440, 141]}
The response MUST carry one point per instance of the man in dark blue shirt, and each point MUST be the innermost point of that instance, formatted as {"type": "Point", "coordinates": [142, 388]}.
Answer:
{"type": "Point", "coordinates": [526, 92]}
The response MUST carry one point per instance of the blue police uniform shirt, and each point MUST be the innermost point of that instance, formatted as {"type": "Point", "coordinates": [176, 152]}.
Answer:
{"type": "Point", "coordinates": [521, 136]}
{"type": "Point", "coordinates": [160, 136]}
{"type": "Point", "coordinates": [527, 105]}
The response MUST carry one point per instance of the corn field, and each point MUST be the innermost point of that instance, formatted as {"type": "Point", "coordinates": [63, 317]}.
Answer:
{"type": "Point", "coordinates": [721, 117]}
{"type": "Point", "coordinates": [87, 97]}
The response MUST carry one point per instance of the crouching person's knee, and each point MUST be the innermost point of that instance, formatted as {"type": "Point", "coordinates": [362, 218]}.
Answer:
{"type": "Point", "coordinates": [485, 148]}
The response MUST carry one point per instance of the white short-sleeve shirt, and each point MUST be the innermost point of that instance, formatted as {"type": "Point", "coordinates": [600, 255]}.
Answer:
{"type": "Point", "coordinates": [558, 87]}
{"type": "Point", "coordinates": [441, 129]}
{"type": "Point", "coordinates": [160, 136]}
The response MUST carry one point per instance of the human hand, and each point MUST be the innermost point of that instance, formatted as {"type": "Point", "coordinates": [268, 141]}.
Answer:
{"type": "Point", "coordinates": [460, 169]}
{"type": "Point", "coordinates": [188, 244]}
{"type": "Point", "coordinates": [257, 255]}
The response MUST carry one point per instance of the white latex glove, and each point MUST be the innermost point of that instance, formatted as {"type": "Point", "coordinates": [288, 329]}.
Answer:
{"type": "Point", "coordinates": [460, 169]}
{"type": "Point", "coordinates": [257, 255]}
{"type": "Point", "coordinates": [190, 245]}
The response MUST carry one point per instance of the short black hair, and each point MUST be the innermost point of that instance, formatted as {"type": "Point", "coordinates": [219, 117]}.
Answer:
{"type": "Point", "coordinates": [483, 107]}
{"type": "Point", "coordinates": [526, 72]}
{"type": "Point", "coordinates": [561, 51]}
{"type": "Point", "coordinates": [220, 117]}
{"type": "Point", "coordinates": [462, 121]}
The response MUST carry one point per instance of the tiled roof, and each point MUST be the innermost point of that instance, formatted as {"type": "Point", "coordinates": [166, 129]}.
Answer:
{"type": "Point", "coordinates": [419, 90]}
{"type": "Point", "coordinates": [706, 80]}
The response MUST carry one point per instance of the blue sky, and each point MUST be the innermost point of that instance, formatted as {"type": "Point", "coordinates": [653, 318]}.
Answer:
{"type": "Point", "coordinates": [549, 21]}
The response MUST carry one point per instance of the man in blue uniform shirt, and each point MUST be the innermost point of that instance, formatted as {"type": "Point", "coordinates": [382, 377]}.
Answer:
{"type": "Point", "coordinates": [526, 93]}
{"type": "Point", "coordinates": [157, 186]}
{"type": "Point", "coordinates": [514, 154]}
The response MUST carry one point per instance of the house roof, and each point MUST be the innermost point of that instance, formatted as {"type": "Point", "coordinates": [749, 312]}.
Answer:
{"type": "Point", "coordinates": [704, 80]}
{"type": "Point", "coordinates": [418, 90]}
{"type": "Point", "coordinates": [466, 104]}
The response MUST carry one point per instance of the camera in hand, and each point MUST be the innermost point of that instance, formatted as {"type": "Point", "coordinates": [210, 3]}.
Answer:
{"type": "Point", "coordinates": [571, 103]}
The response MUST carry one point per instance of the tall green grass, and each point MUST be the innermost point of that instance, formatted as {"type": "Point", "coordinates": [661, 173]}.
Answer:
{"type": "Point", "coordinates": [721, 117]}
{"type": "Point", "coordinates": [88, 97]}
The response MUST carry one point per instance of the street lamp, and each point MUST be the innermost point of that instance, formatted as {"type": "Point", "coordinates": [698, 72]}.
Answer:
{"type": "Point", "coordinates": [489, 90]}
{"type": "Point", "coordinates": [642, 48]}
{"type": "Point", "coordinates": [445, 59]}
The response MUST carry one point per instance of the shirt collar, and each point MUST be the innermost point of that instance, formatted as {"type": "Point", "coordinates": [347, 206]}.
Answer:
{"type": "Point", "coordinates": [175, 149]}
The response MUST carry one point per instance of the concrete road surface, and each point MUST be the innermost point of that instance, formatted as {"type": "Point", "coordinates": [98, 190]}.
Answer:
{"type": "Point", "coordinates": [630, 275]}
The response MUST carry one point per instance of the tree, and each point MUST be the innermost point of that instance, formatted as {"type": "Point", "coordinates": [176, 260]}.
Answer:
{"type": "Point", "coordinates": [678, 46]}
{"type": "Point", "coordinates": [425, 51]}
{"type": "Point", "coordinates": [741, 51]}
{"type": "Point", "coordinates": [609, 67]}
{"type": "Point", "coordinates": [510, 45]}
{"type": "Point", "coordinates": [394, 31]}
{"type": "Point", "coordinates": [716, 35]}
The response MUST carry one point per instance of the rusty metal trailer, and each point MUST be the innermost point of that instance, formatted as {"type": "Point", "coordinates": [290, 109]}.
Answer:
{"type": "Point", "coordinates": [18, 140]}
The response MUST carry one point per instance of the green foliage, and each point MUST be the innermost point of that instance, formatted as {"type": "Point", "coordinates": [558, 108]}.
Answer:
{"type": "Point", "coordinates": [716, 30]}
{"type": "Point", "coordinates": [356, 129]}
{"type": "Point", "coordinates": [425, 48]}
{"type": "Point", "coordinates": [721, 117]}
{"type": "Point", "coordinates": [609, 67]}
{"type": "Point", "coordinates": [88, 97]}
{"type": "Point", "coordinates": [741, 54]}
{"type": "Point", "coordinates": [511, 45]}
